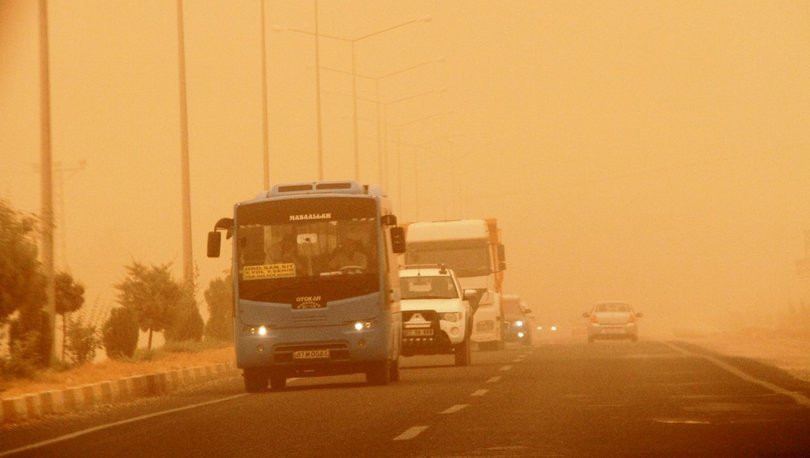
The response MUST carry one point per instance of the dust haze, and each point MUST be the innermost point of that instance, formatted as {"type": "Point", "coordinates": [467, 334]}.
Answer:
{"type": "Point", "coordinates": [654, 152]}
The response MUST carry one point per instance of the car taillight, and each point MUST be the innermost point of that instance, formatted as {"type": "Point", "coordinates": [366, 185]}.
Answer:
{"type": "Point", "coordinates": [594, 319]}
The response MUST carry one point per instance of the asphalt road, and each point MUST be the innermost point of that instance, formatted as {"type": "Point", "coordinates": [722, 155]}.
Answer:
{"type": "Point", "coordinates": [556, 398]}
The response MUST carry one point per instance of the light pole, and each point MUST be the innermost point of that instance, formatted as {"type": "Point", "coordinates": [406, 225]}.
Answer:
{"type": "Point", "coordinates": [377, 101]}
{"type": "Point", "coordinates": [265, 133]}
{"type": "Point", "coordinates": [399, 128]}
{"type": "Point", "coordinates": [188, 263]}
{"type": "Point", "coordinates": [353, 42]}
{"type": "Point", "coordinates": [46, 182]}
{"type": "Point", "coordinates": [403, 99]}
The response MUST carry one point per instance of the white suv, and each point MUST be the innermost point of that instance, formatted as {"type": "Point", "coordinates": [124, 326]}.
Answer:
{"type": "Point", "coordinates": [436, 313]}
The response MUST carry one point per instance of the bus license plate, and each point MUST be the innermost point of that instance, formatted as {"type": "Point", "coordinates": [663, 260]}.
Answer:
{"type": "Point", "coordinates": [419, 332]}
{"type": "Point", "coordinates": [311, 354]}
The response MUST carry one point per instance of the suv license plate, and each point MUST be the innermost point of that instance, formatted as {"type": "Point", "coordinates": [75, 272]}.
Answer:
{"type": "Point", "coordinates": [419, 332]}
{"type": "Point", "coordinates": [311, 354]}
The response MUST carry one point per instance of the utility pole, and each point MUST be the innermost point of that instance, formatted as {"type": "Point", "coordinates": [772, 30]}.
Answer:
{"type": "Point", "coordinates": [265, 133]}
{"type": "Point", "coordinates": [62, 172]}
{"type": "Point", "coordinates": [47, 170]}
{"type": "Point", "coordinates": [188, 263]}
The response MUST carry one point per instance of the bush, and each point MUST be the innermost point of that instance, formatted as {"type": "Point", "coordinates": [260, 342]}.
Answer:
{"type": "Point", "coordinates": [19, 363]}
{"type": "Point", "coordinates": [185, 323]}
{"type": "Point", "coordinates": [219, 297]}
{"type": "Point", "coordinates": [120, 333]}
{"type": "Point", "coordinates": [82, 342]}
{"type": "Point", "coordinates": [30, 337]}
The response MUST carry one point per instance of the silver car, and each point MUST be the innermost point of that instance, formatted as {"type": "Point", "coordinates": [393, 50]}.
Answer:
{"type": "Point", "coordinates": [612, 320]}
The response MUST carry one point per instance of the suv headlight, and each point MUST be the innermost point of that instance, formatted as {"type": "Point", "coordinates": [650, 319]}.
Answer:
{"type": "Point", "coordinates": [450, 316]}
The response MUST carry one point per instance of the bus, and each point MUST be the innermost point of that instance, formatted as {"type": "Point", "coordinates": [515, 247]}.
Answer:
{"type": "Point", "coordinates": [316, 283]}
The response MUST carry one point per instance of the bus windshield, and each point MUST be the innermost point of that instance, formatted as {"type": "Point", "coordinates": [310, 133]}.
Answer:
{"type": "Point", "coordinates": [468, 258]}
{"type": "Point", "coordinates": [327, 246]}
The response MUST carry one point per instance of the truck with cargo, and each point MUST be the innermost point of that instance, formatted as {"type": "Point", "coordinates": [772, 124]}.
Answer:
{"type": "Point", "coordinates": [473, 249]}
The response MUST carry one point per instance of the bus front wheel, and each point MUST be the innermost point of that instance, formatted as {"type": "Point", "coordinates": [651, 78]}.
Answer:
{"type": "Point", "coordinates": [379, 373]}
{"type": "Point", "coordinates": [278, 381]}
{"type": "Point", "coordinates": [255, 380]}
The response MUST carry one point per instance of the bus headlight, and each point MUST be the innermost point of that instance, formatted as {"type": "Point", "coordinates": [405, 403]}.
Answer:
{"type": "Point", "coordinates": [360, 325]}
{"type": "Point", "coordinates": [450, 316]}
{"type": "Point", "coordinates": [518, 324]}
{"type": "Point", "coordinates": [260, 330]}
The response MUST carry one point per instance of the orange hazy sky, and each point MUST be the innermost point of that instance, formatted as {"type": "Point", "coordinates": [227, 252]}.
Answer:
{"type": "Point", "coordinates": [657, 152]}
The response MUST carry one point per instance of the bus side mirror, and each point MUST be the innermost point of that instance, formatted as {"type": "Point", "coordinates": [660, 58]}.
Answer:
{"type": "Point", "coordinates": [213, 244]}
{"type": "Point", "coordinates": [398, 239]}
{"type": "Point", "coordinates": [502, 265]}
{"type": "Point", "coordinates": [389, 220]}
{"type": "Point", "coordinates": [501, 253]}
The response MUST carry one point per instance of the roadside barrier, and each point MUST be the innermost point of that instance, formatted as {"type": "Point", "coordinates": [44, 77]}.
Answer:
{"type": "Point", "coordinates": [86, 397]}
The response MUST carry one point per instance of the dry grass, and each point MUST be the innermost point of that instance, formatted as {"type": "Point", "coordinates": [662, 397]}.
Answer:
{"type": "Point", "coordinates": [112, 370]}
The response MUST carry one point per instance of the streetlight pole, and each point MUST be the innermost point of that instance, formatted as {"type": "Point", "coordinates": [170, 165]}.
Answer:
{"type": "Point", "coordinates": [265, 133]}
{"type": "Point", "coordinates": [188, 263]}
{"type": "Point", "coordinates": [318, 93]}
{"type": "Point", "coordinates": [46, 193]}
{"type": "Point", "coordinates": [352, 41]}
{"type": "Point", "coordinates": [399, 128]}
{"type": "Point", "coordinates": [377, 101]}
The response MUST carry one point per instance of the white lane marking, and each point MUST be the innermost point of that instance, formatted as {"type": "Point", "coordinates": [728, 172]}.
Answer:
{"type": "Point", "coordinates": [410, 433]}
{"type": "Point", "coordinates": [479, 392]}
{"type": "Point", "coordinates": [455, 408]}
{"type": "Point", "coordinates": [505, 368]}
{"type": "Point", "coordinates": [517, 360]}
{"type": "Point", "coordinates": [799, 398]}
{"type": "Point", "coordinates": [117, 423]}
{"type": "Point", "coordinates": [494, 379]}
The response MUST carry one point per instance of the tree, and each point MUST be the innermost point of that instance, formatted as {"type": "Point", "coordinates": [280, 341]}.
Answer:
{"type": "Point", "coordinates": [219, 297]}
{"type": "Point", "coordinates": [69, 297]}
{"type": "Point", "coordinates": [151, 293]}
{"type": "Point", "coordinates": [21, 282]}
{"type": "Point", "coordinates": [120, 333]}
{"type": "Point", "coordinates": [186, 322]}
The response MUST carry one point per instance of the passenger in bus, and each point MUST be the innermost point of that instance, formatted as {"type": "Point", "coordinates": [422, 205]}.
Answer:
{"type": "Point", "coordinates": [287, 252]}
{"type": "Point", "coordinates": [348, 253]}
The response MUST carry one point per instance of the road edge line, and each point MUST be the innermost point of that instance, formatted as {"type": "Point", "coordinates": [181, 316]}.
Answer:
{"type": "Point", "coordinates": [797, 397]}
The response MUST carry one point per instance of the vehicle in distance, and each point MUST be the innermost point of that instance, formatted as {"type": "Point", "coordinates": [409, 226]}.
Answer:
{"type": "Point", "coordinates": [436, 313]}
{"type": "Point", "coordinates": [316, 283]}
{"type": "Point", "coordinates": [516, 316]}
{"type": "Point", "coordinates": [612, 320]}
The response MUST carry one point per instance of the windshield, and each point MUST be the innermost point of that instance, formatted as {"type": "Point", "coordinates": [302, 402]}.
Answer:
{"type": "Point", "coordinates": [468, 258]}
{"type": "Point", "coordinates": [326, 245]}
{"type": "Point", "coordinates": [436, 287]}
{"type": "Point", "coordinates": [612, 307]}
{"type": "Point", "coordinates": [511, 308]}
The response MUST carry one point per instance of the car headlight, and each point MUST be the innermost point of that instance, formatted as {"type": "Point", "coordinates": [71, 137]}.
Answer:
{"type": "Point", "coordinates": [450, 316]}
{"type": "Point", "coordinates": [519, 324]}
{"type": "Point", "coordinates": [554, 328]}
